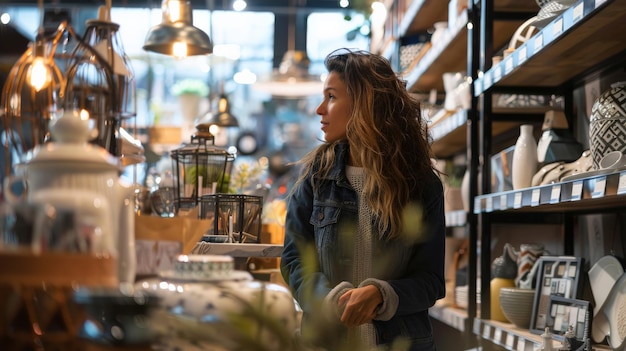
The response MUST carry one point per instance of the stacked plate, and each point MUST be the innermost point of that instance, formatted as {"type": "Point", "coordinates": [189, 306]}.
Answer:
{"type": "Point", "coordinates": [461, 296]}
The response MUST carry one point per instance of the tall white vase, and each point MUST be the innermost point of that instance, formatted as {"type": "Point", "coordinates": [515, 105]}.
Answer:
{"type": "Point", "coordinates": [524, 158]}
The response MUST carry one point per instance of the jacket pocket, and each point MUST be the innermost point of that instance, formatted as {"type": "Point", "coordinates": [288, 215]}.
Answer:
{"type": "Point", "coordinates": [324, 219]}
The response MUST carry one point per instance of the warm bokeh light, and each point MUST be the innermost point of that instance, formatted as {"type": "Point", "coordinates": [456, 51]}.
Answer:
{"type": "Point", "coordinates": [179, 49]}
{"type": "Point", "coordinates": [39, 74]}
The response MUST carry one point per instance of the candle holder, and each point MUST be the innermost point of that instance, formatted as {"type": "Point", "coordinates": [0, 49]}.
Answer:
{"type": "Point", "coordinates": [235, 216]}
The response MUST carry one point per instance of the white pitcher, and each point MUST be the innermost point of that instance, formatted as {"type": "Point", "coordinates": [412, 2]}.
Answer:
{"type": "Point", "coordinates": [71, 163]}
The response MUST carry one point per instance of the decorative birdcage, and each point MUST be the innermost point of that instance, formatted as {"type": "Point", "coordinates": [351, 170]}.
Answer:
{"type": "Point", "coordinates": [200, 168]}
{"type": "Point", "coordinates": [237, 217]}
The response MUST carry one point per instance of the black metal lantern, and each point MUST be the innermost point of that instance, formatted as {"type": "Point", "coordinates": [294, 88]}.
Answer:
{"type": "Point", "coordinates": [200, 168]}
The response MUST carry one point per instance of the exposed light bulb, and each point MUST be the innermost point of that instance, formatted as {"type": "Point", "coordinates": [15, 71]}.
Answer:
{"type": "Point", "coordinates": [83, 114]}
{"type": "Point", "coordinates": [179, 49]}
{"type": "Point", "coordinates": [174, 7]}
{"type": "Point", "coordinates": [344, 3]}
{"type": "Point", "coordinates": [5, 18]}
{"type": "Point", "coordinates": [239, 5]}
{"type": "Point", "coordinates": [39, 75]}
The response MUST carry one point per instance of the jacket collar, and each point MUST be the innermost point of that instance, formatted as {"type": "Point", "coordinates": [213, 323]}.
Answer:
{"type": "Point", "coordinates": [337, 172]}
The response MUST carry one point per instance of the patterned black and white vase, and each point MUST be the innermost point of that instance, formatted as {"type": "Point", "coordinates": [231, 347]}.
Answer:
{"type": "Point", "coordinates": [607, 128]}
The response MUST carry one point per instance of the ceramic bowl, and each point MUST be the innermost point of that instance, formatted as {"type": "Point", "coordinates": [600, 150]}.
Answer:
{"type": "Point", "coordinates": [517, 305]}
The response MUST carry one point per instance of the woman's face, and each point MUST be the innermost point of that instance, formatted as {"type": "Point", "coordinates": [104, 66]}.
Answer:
{"type": "Point", "coordinates": [335, 108]}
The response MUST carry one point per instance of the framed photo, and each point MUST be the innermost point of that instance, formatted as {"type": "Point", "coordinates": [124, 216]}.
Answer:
{"type": "Point", "coordinates": [558, 276]}
{"type": "Point", "coordinates": [564, 313]}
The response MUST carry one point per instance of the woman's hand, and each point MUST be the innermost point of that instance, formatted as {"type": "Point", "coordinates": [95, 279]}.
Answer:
{"type": "Point", "coordinates": [359, 305]}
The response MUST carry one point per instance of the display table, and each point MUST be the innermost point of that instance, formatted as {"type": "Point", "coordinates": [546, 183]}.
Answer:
{"type": "Point", "coordinates": [238, 250]}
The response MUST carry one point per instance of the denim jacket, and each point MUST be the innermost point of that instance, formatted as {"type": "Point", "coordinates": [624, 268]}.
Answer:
{"type": "Point", "coordinates": [415, 270]}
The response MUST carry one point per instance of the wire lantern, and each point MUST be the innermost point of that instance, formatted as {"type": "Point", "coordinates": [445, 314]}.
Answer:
{"type": "Point", "coordinates": [104, 87]}
{"type": "Point", "coordinates": [61, 71]}
{"type": "Point", "coordinates": [200, 168]}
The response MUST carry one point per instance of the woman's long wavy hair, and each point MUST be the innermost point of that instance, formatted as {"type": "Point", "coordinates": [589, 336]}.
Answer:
{"type": "Point", "coordinates": [386, 136]}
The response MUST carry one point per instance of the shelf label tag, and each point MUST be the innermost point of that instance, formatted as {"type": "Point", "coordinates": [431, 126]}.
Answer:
{"type": "Point", "coordinates": [523, 54]}
{"type": "Point", "coordinates": [508, 64]}
{"type": "Point", "coordinates": [558, 27]}
{"type": "Point", "coordinates": [510, 339]}
{"type": "Point", "coordinates": [486, 331]}
{"type": "Point", "coordinates": [599, 187]}
{"type": "Point", "coordinates": [577, 190]}
{"type": "Point", "coordinates": [555, 194]}
{"type": "Point", "coordinates": [535, 197]}
{"type": "Point", "coordinates": [487, 80]}
{"type": "Point", "coordinates": [497, 335]}
{"type": "Point", "coordinates": [621, 186]}
{"type": "Point", "coordinates": [489, 204]}
{"type": "Point", "coordinates": [517, 200]}
{"type": "Point", "coordinates": [538, 43]}
{"type": "Point", "coordinates": [478, 87]}
{"type": "Point", "coordinates": [477, 208]}
{"type": "Point", "coordinates": [521, 344]}
{"type": "Point", "coordinates": [503, 202]}
{"type": "Point", "coordinates": [578, 11]}
{"type": "Point", "coordinates": [599, 2]}
{"type": "Point", "coordinates": [497, 73]}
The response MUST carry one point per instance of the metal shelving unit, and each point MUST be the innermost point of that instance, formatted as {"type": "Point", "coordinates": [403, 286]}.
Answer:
{"type": "Point", "coordinates": [556, 60]}
{"type": "Point", "coordinates": [574, 45]}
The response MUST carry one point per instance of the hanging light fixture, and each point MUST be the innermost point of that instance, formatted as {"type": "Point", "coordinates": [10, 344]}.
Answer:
{"type": "Point", "coordinates": [292, 78]}
{"type": "Point", "coordinates": [222, 117]}
{"type": "Point", "coordinates": [105, 88]}
{"type": "Point", "coordinates": [63, 71]}
{"type": "Point", "coordinates": [31, 96]}
{"type": "Point", "coordinates": [176, 35]}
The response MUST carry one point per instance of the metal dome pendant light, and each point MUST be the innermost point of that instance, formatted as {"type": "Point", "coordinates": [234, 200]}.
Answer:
{"type": "Point", "coordinates": [222, 117]}
{"type": "Point", "coordinates": [176, 35]}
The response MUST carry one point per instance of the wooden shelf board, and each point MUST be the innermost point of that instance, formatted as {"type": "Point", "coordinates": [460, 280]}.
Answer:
{"type": "Point", "coordinates": [447, 60]}
{"type": "Point", "coordinates": [516, 6]}
{"type": "Point", "coordinates": [421, 15]}
{"type": "Point", "coordinates": [586, 43]}
{"type": "Point", "coordinates": [456, 141]}
{"type": "Point", "coordinates": [584, 195]}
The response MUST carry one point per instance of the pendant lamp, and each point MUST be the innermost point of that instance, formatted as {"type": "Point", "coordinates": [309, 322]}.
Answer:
{"type": "Point", "coordinates": [176, 35]}
{"type": "Point", "coordinates": [222, 117]}
{"type": "Point", "coordinates": [291, 79]}
{"type": "Point", "coordinates": [64, 71]}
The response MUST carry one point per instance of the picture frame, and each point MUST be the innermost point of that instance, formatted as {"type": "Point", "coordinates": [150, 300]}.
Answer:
{"type": "Point", "coordinates": [564, 312]}
{"type": "Point", "coordinates": [558, 276]}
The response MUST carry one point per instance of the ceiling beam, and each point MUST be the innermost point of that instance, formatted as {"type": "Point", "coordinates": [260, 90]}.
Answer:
{"type": "Point", "coordinates": [275, 6]}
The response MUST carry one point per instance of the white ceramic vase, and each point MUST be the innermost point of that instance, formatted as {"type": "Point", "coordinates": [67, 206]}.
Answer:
{"type": "Point", "coordinates": [524, 158]}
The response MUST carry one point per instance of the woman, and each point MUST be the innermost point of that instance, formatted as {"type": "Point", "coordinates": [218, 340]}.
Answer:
{"type": "Point", "coordinates": [365, 229]}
